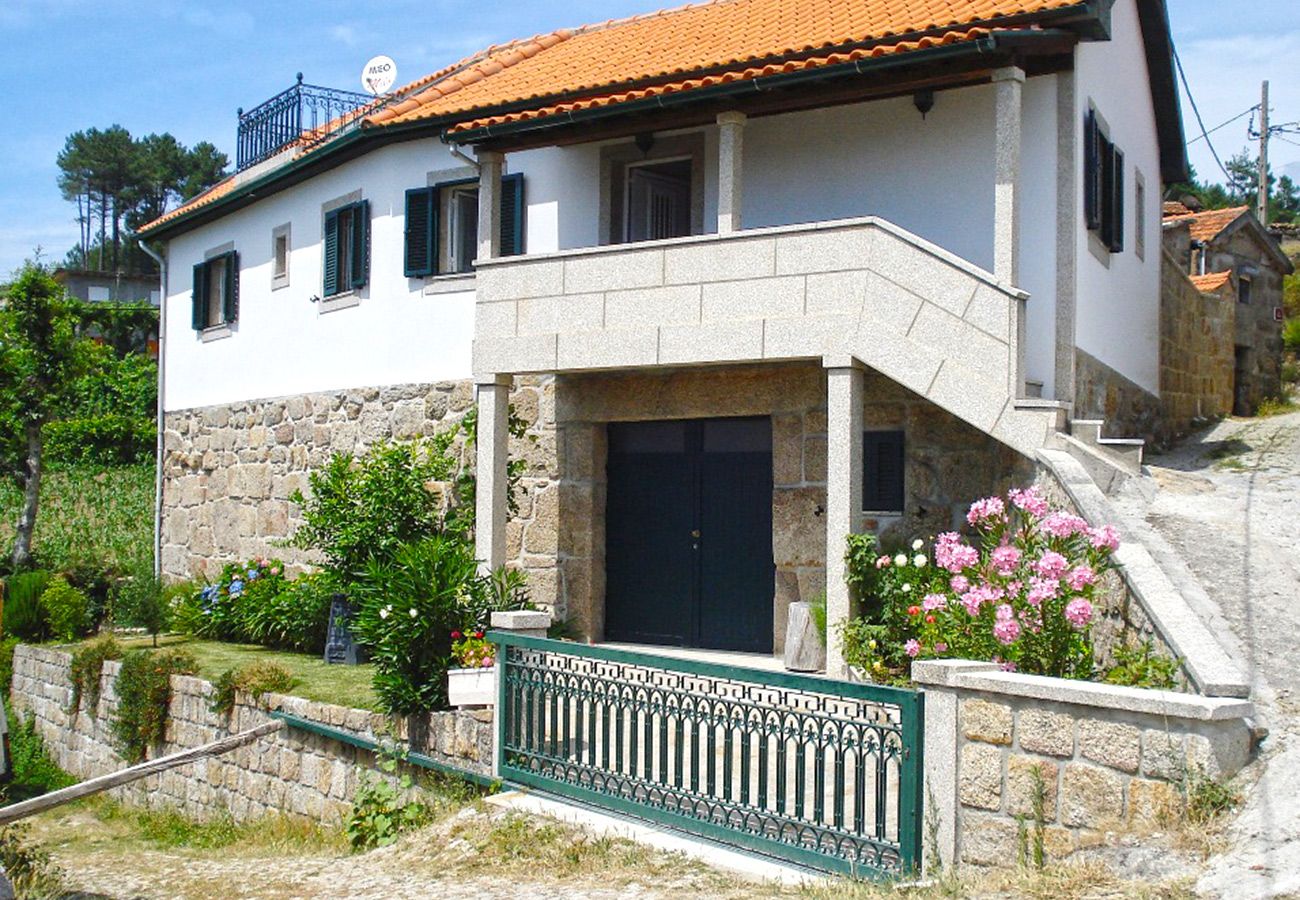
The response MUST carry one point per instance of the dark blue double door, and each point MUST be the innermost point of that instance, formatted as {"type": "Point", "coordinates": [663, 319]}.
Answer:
{"type": "Point", "coordinates": [688, 546]}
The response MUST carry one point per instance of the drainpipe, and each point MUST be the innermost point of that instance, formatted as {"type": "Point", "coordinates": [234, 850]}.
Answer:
{"type": "Point", "coordinates": [161, 260]}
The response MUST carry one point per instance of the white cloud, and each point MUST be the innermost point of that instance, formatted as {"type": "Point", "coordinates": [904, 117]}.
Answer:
{"type": "Point", "coordinates": [344, 34]}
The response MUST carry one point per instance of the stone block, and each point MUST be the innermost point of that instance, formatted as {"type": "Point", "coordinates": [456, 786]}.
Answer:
{"type": "Point", "coordinates": [717, 342]}
{"type": "Point", "coordinates": [1163, 755]}
{"type": "Point", "coordinates": [652, 307]}
{"type": "Point", "coordinates": [755, 298]}
{"type": "Point", "coordinates": [572, 312]}
{"type": "Point", "coordinates": [787, 449]}
{"type": "Point", "coordinates": [730, 260]}
{"type": "Point", "coordinates": [1153, 804]}
{"type": "Point", "coordinates": [825, 250]}
{"type": "Point", "coordinates": [529, 353]}
{"type": "Point", "coordinates": [1112, 744]}
{"type": "Point", "coordinates": [1091, 797]}
{"type": "Point", "coordinates": [798, 531]}
{"type": "Point", "coordinates": [980, 783]}
{"type": "Point", "coordinates": [1045, 732]}
{"type": "Point", "coordinates": [988, 840]}
{"type": "Point", "coordinates": [496, 319]}
{"type": "Point", "coordinates": [1021, 786]}
{"type": "Point", "coordinates": [627, 268]}
{"type": "Point", "coordinates": [609, 348]}
{"type": "Point", "coordinates": [985, 721]}
{"type": "Point", "coordinates": [519, 279]}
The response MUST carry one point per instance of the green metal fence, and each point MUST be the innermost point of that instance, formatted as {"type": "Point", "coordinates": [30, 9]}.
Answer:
{"type": "Point", "coordinates": [819, 772]}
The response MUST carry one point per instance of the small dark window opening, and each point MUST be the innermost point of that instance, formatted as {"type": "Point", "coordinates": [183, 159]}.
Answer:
{"type": "Point", "coordinates": [1244, 288]}
{"type": "Point", "coordinates": [883, 463]}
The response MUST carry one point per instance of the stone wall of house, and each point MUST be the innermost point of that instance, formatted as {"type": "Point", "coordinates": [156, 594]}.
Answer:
{"type": "Point", "coordinates": [229, 471]}
{"type": "Point", "coordinates": [1197, 336]}
{"type": "Point", "coordinates": [1260, 375]}
{"type": "Point", "coordinates": [1100, 392]}
{"type": "Point", "coordinates": [1109, 758]}
{"type": "Point", "coordinates": [948, 465]}
{"type": "Point", "coordinates": [288, 772]}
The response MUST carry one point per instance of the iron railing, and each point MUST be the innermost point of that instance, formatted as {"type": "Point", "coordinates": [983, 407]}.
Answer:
{"type": "Point", "coordinates": [303, 114]}
{"type": "Point", "coordinates": [823, 773]}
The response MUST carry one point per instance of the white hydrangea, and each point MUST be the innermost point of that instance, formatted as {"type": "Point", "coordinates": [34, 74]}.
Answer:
{"type": "Point", "coordinates": [918, 544]}
{"type": "Point", "coordinates": [900, 559]}
{"type": "Point", "coordinates": [920, 560]}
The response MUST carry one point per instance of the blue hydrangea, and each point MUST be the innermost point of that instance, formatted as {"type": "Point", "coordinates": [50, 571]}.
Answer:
{"type": "Point", "coordinates": [236, 588]}
{"type": "Point", "coordinates": [252, 574]}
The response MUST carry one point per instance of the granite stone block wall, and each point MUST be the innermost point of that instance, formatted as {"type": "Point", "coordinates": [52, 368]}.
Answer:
{"type": "Point", "coordinates": [289, 772]}
{"type": "Point", "coordinates": [1197, 334]}
{"type": "Point", "coordinates": [1107, 758]}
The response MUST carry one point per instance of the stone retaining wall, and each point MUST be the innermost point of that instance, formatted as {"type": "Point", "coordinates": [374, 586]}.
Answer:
{"type": "Point", "coordinates": [1110, 758]}
{"type": "Point", "coordinates": [1197, 356]}
{"type": "Point", "coordinates": [290, 772]}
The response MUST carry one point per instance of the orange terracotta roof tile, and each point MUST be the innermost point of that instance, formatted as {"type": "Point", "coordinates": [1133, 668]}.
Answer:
{"type": "Point", "coordinates": [1207, 225]}
{"type": "Point", "coordinates": [1174, 208]}
{"type": "Point", "coordinates": [1212, 283]}
{"type": "Point", "coordinates": [676, 50]}
{"type": "Point", "coordinates": [716, 36]}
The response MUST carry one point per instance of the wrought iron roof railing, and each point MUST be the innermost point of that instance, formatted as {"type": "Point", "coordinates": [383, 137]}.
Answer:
{"type": "Point", "coordinates": [304, 114]}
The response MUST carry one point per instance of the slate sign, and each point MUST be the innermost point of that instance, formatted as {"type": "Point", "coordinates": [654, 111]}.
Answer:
{"type": "Point", "coordinates": [340, 648]}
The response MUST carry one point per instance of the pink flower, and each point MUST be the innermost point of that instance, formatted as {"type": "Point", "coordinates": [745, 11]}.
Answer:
{"type": "Point", "coordinates": [1006, 629]}
{"type": "Point", "coordinates": [1078, 612]}
{"type": "Point", "coordinates": [953, 555]}
{"type": "Point", "coordinates": [986, 509]}
{"type": "Point", "coordinates": [977, 597]}
{"type": "Point", "coordinates": [1029, 500]}
{"type": "Point", "coordinates": [940, 647]}
{"type": "Point", "coordinates": [912, 648]}
{"type": "Point", "coordinates": [1041, 589]}
{"type": "Point", "coordinates": [1015, 587]}
{"type": "Point", "coordinates": [1063, 525]}
{"type": "Point", "coordinates": [1007, 666]}
{"type": "Point", "coordinates": [882, 562]}
{"type": "Point", "coordinates": [960, 584]}
{"type": "Point", "coordinates": [1005, 559]}
{"type": "Point", "coordinates": [1104, 538]}
{"type": "Point", "coordinates": [931, 602]}
{"type": "Point", "coordinates": [1080, 577]}
{"type": "Point", "coordinates": [1051, 565]}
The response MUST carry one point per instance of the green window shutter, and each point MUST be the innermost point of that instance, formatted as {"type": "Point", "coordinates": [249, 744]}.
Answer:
{"type": "Point", "coordinates": [199, 307]}
{"type": "Point", "coordinates": [330, 263]}
{"type": "Point", "coordinates": [1116, 243]}
{"type": "Point", "coordinates": [360, 243]}
{"type": "Point", "coordinates": [420, 235]}
{"type": "Point", "coordinates": [512, 215]}
{"type": "Point", "coordinates": [230, 302]}
{"type": "Point", "coordinates": [1092, 175]}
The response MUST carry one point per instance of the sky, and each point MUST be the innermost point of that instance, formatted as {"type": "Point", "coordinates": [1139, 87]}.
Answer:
{"type": "Point", "coordinates": [185, 67]}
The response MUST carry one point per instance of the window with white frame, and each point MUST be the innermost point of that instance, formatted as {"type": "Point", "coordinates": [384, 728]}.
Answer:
{"type": "Point", "coordinates": [280, 249]}
{"type": "Point", "coordinates": [215, 298]}
{"type": "Point", "coordinates": [442, 225]}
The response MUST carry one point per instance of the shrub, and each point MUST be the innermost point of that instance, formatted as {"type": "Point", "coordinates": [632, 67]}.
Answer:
{"type": "Point", "coordinates": [406, 615]}
{"type": "Point", "coordinates": [1020, 596]}
{"type": "Point", "coordinates": [141, 601]}
{"type": "Point", "coordinates": [27, 866]}
{"type": "Point", "coordinates": [87, 672]}
{"type": "Point", "coordinates": [144, 693]}
{"type": "Point", "coordinates": [24, 616]}
{"type": "Point", "coordinates": [110, 418]}
{"type": "Point", "coordinates": [1291, 334]}
{"type": "Point", "coordinates": [34, 771]}
{"type": "Point", "coordinates": [256, 679]}
{"type": "Point", "coordinates": [1206, 798]}
{"type": "Point", "coordinates": [7, 646]}
{"type": "Point", "coordinates": [67, 608]}
{"type": "Point", "coordinates": [225, 610]}
{"type": "Point", "coordinates": [363, 509]}
{"type": "Point", "coordinates": [294, 617]}
{"type": "Point", "coordinates": [1143, 667]}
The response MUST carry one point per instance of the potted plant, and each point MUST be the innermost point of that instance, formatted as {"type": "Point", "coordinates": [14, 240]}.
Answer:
{"type": "Point", "coordinates": [473, 680]}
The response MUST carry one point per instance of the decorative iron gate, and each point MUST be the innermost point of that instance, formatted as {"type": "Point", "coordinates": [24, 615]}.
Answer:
{"type": "Point", "coordinates": [823, 773]}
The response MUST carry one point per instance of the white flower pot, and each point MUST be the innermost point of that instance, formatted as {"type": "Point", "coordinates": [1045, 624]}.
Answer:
{"type": "Point", "coordinates": [472, 687]}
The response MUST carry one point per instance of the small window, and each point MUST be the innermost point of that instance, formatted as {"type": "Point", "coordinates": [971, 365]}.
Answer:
{"type": "Point", "coordinates": [98, 293]}
{"type": "Point", "coordinates": [658, 202]}
{"type": "Point", "coordinates": [1103, 185]}
{"type": "Point", "coordinates": [216, 292]}
{"type": "Point", "coordinates": [280, 248]}
{"type": "Point", "coordinates": [1245, 286]}
{"type": "Point", "coordinates": [347, 248]}
{"type": "Point", "coordinates": [883, 472]}
{"type": "Point", "coordinates": [442, 226]}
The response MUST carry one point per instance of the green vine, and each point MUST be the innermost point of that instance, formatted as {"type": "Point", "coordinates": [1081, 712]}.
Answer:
{"type": "Point", "coordinates": [144, 694]}
{"type": "Point", "coordinates": [87, 671]}
{"type": "Point", "coordinates": [256, 679]}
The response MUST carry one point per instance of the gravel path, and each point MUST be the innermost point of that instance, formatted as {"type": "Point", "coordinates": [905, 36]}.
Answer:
{"type": "Point", "coordinates": [1229, 502]}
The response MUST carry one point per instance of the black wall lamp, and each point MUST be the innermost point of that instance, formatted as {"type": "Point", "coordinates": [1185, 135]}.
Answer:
{"type": "Point", "coordinates": [923, 100]}
{"type": "Point", "coordinates": [644, 141]}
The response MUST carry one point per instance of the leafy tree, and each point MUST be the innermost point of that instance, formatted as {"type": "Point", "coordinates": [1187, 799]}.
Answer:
{"type": "Point", "coordinates": [40, 357]}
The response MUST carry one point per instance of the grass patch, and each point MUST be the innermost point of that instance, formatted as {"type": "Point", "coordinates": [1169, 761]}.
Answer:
{"type": "Point", "coordinates": [341, 685]}
{"type": "Point", "coordinates": [169, 829]}
{"type": "Point", "coordinates": [90, 517]}
{"type": "Point", "coordinates": [1277, 406]}
{"type": "Point", "coordinates": [34, 769]}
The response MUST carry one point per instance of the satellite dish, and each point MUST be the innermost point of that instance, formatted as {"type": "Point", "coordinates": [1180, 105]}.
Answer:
{"type": "Point", "coordinates": [378, 75]}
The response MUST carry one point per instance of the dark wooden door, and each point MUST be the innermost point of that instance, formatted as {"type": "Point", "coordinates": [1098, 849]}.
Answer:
{"type": "Point", "coordinates": [688, 526]}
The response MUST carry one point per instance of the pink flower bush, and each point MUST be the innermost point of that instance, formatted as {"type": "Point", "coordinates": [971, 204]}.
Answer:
{"type": "Point", "coordinates": [1015, 588]}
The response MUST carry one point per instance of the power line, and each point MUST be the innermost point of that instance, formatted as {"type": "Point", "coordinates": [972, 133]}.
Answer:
{"type": "Point", "coordinates": [1200, 121]}
{"type": "Point", "coordinates": [1205, 135]}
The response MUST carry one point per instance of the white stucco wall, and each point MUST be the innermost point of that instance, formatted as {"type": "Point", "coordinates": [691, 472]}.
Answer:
{"type": "Point", "coordinates": [1119, 294]}
{"type": "Point", "coordinates": [283, 344]}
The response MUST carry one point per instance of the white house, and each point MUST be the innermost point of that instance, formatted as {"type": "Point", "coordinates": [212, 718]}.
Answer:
{"type": "Point", "coordinates": [757, 280]}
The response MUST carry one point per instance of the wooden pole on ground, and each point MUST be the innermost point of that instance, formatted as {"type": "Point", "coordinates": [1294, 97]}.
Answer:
{"type": "Point", "coordinates": [36, 805]}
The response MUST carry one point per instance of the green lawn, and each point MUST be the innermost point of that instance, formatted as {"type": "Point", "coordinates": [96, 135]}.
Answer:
{"type": "Point", "coordinates": [342, 685]}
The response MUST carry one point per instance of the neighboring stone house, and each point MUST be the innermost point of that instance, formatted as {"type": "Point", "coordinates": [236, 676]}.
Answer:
{"type": "Point", "coordinates": [754, 280]}
{"type": "Point", "coordinates": [109, 287]}
{"type": "Point", "coordinates": [1232, 242]}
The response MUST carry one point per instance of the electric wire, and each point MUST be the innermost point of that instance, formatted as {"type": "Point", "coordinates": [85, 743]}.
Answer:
{"type": "Point", "coordinates": [1178, 62]}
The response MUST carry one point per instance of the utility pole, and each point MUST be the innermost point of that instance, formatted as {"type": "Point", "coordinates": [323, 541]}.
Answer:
{"type": "Point", "coordinates": [1263, 157]}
